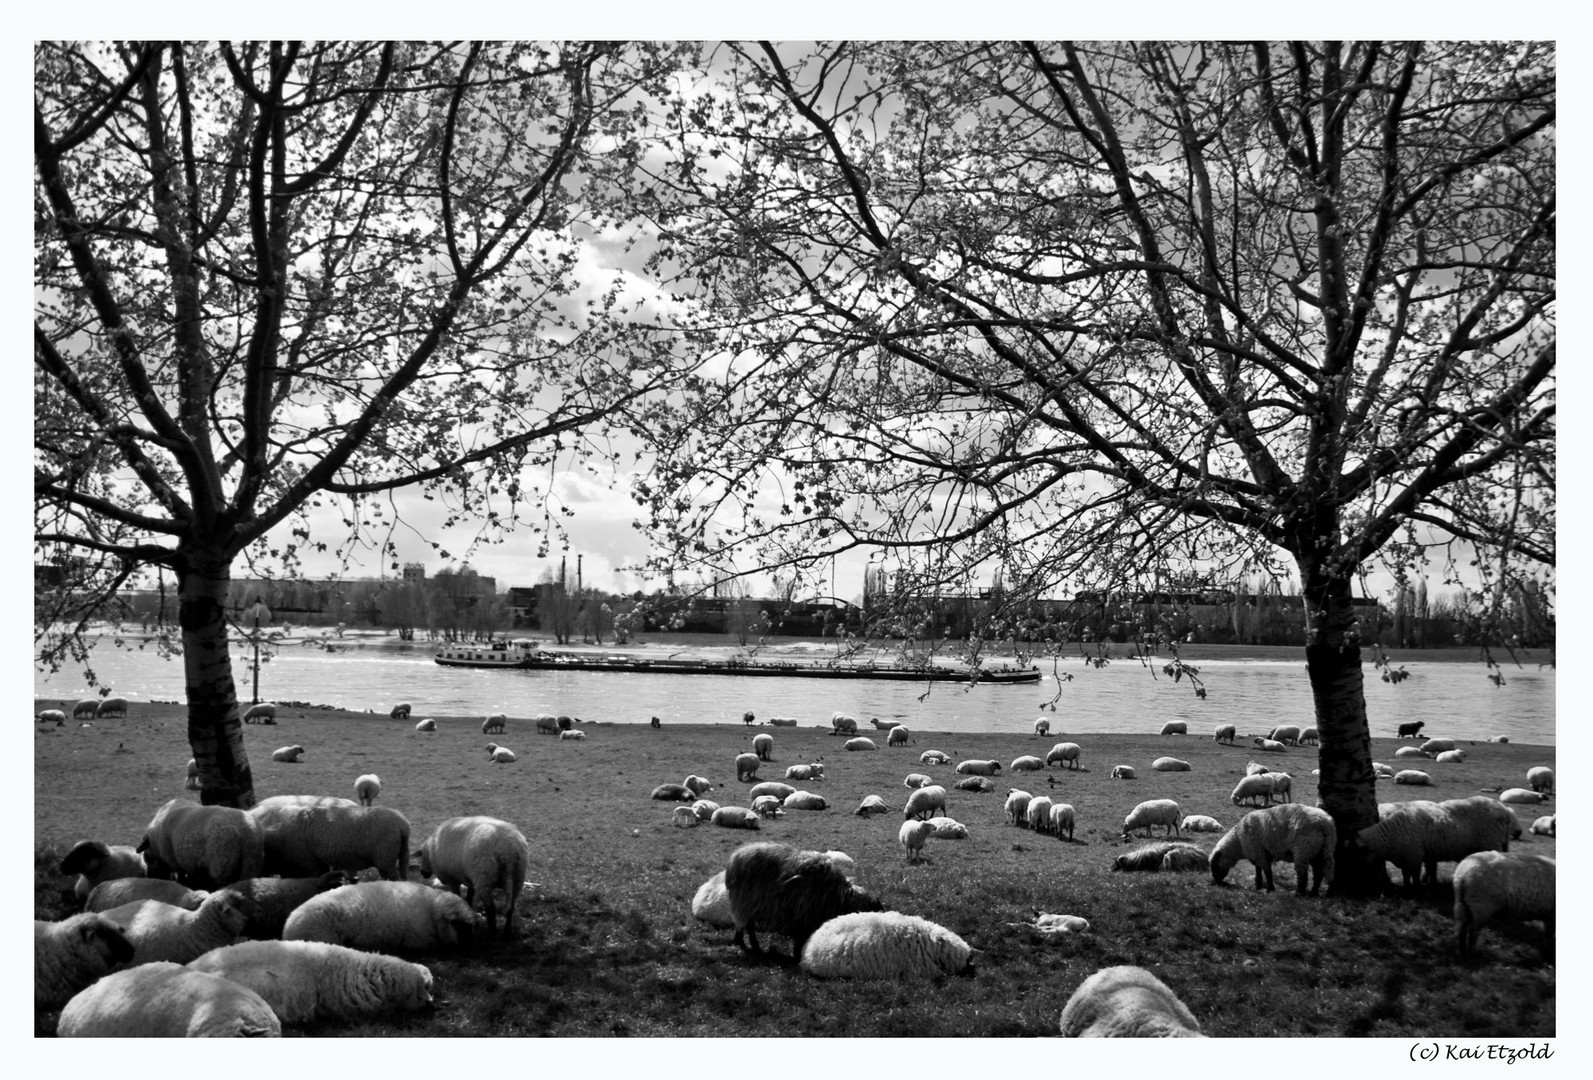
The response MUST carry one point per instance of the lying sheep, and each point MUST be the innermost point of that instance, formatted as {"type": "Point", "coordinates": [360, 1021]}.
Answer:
{"type": "Point", "coordinates": [805, 772]}
{"type": "Point", "coordinates": [119, 891]}
{"type": "Point", "coordinates": [734, 817]}
{"type": "Point", "coordinates": [897, 736]}
{"type": "Point", "coordinates": [884, 945]}
{"type": "Point", "coordinates": [72, 954]}
{"type": "Point", "coordinates": [1053, 924]}
{"type": "Point", "coordinates": [167, 1000]}
{"type": "Point", "coordinates": [934, 757]}
{"type": "Point", "coordinates": [571, 735]}
{"type": "Point", "coordinates": [804, 800]}
{"type": "Point", "coordinates": [841, 724]}
{"type": "Point", "coordinates": [763, 746]}
{"type": "Point", "coordinates": [860, 743]}
{"type": "Point", "coordinates": [275, 898]}
{"type": "Point", "coordinates": [698, 784]}
{"type": "Point", "coordinates": [747, 766]}
{"type": "Point", "coordinates": [426, 725]}
{"type": "Point", "coordinates": [673, 793]}
{"type": "Point", "coordinates": [1381, 771]}
{"type": "Point", "coordinates": [160, 931]}
{"type": "Point", "coordinates": [913, 835]}
{"type": "Point", "coordinates": [1225, 733]}
{"type": "Point", "coordinates": [704, 809]}
{"type": "Point", "coordinates": [871, 804]}
{"type": "Point", "coordinates": [1409, 752]}
{"type": "Point", "coordinates": [975, 783]}
{"type": "Point", "coordinates": [400, 711]}
{"type": "Point", "coordinates": [1164, 856]}
{"type": "Point", "coordinates": [1201, 823]}
{"type": "Point", "coordinates": [711, 903]}
{"type": "Point", "coordinates": [366, 788]}
{"type": "Point", "coordinates": [1163, 812]}
{"type": "Point", "coordinates": [1450, 757]}
{"type": "Point", "coordinates": [770, 787]}
{"type": "Point", "coordinates": [1491, 883]}
{"type": "Point", "coordinates": [1414, 777]}
{"type": "Point", "coordinates": [978, 767]}
{"type": "Point", "coordinates": [1541, 778]}
{"type": "Point", "coordinates": [947, 829]}
{"type": "Point", "coordinates": [1038, 813]}
{"type": "Point", "coordinates": [111, 706]}
{"type": "Point", "coordinates": [1127, 1002]}
{"type": "Point", "coordinates": [1438, 746]}
{"type": "Point", "coordinates": [384, 916]}
{"type": "Point", "coordinates": [924, 801]}
{"type": "Point", "coordinates": [779, 890]}
{"type": "Point", "coordinates": [1122, 772]}
{"type": "Point", "coordinates": [307, 840]}
{"type": "Point", "coordinates": [917, 780]}
{"type": "Point", "coordinates": [306, 981]}
{"type": "Point", "coordinates": [783, 721]}
{"type": "Point", "coordinates": [1521, 796]}
{"type": "Point", "coordinates": [1175, 727]}
{"type": "Point", "coordinates": [1254, 767]}
{"type": "Point", "coordinates": [502, 755]}
{"type": "Point", "coordinates": [683, 818]}
{"type": "Point", "coordinates": [263, 713]}
{"type": "Point", "coordinates": [1544, 826]}
{"type": "Point", "coordinates": [1303, 834]}
{"type": "Point", "coordinates": [1017, 807]}
{"type": "Point", "coordinates": [1416, 836]}
{"type": "Point", "coordinates": [1061, 820]}
{"type": "Point", "coordinates": [202, 846]}
{"type": "Point", "coordinates": [1042, 727]}
{"type": "Point", "coordinates": [94, 862]}
{"type": "Point", "coordinates": [1271, 746]}
{"type": "Point", "coordinates": [484, 855]}
{"type": "Point", "coordinates": [289, 755]}
{"type": "Point", "coordinates": [1170, 764]}
{"type": "Point", "coordinates": [1026, 763]}
{"type": "Point", "coordinates": [767, 807]}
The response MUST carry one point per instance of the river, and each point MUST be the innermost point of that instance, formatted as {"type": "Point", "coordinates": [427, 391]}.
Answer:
{"type": "Point", "coordinates": [1126, 697]}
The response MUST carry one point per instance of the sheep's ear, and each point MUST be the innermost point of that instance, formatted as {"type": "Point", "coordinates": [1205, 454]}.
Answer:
{"type": "Point", "coordinates": [143, 845]}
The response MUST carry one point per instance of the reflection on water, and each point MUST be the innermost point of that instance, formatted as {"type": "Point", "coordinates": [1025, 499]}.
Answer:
{"type": "Point", "coordinates": [1455, 699]}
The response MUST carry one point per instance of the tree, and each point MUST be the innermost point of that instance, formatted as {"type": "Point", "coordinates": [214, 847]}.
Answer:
{"type": "Point", "coordinates": [1083, 310]}
{"type": "Point", "coordinates": [275, 277]}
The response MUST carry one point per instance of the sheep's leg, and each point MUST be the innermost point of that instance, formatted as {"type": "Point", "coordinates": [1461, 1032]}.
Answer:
{"type": "Point", "coordinates": [1302, 874]}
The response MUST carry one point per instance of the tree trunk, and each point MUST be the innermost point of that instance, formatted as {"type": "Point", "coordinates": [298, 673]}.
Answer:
{"type": "Point", "coordinates": [215, 731]}
{"type": "Point", "coordinates": [1347, 784]}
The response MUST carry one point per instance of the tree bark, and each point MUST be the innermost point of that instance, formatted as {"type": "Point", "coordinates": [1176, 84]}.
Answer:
{"type": "Point", "coordinates": [215, 730]}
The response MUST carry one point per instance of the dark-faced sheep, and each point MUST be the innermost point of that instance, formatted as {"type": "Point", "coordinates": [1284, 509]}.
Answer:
{"type": "Point", "coordinates": [780, 890]}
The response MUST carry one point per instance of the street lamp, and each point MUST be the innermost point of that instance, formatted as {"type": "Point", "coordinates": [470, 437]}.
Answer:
{"type": "Point", "coordinates": [254, 615]}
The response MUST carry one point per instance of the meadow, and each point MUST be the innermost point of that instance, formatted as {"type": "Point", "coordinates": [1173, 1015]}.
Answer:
{"type": "Point", "coordinates": [606, 944]}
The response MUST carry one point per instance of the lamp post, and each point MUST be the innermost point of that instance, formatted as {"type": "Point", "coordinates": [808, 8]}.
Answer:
{"type": "Point", "coordinates": [256, 614]}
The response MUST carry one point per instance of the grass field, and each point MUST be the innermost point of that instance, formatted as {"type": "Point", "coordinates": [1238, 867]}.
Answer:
{"type": "Point", "coordinates": [607, 945]}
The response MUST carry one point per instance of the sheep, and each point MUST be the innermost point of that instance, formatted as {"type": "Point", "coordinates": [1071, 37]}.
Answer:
{"type": "Point", "coordinates": [805, 772]}
{"type": "Point", "coordinates": [1409, 752]}
{"type": "Point", "coordinates": [384, 916]}
{"type": "Point", "coordinates": [1026, 763]}
{"type": "Point", "coordinates": [571, 735]}
{"type": "Point", "coordinates": [917, 780]}
{"type": "Point", "coordinates": [1061, 820]}
{"type": "Point", "coordinates": [1169, 764]}
{"type": "Point", "coordinates": [977, 767]}
{"type": "Point", "coordinates": [1064, 753]}
{"type": "Point", "coordinates": [305, 981]}
{"type": "Point", "coordinates": [924, 801]}
{"type": "Point", "coordinates": [1304, 834]}
{"type": "Point", "coordinates": [884, 945]}
{"type": "Point", "coordinates": [770, 787]}
{"type": "Point", "coordinates": [1381, 771]}
{"type": "Point", "coordinates": [275, 898]}
{"type": "Point", "coordinates": [203, 846]}
{"type": "Point", "coordinates": [1310, 737]}
{"type": "Point", "coordinates": [95, 862]}
{"type": "Point", "coordinates": [1521, 796]}
{"type": "Point", "coordinates": [975, 783]}
{"type": "Point", "coordinates": [119, 891]}
{"type": "Point", "coordinates": [1499, 738]}
{"type": "Point", "coordinates": [683, 818]}
{"type": "Point", "coordinates": [882, 725]}
{"type": "Point", "coordinates": [426, 725]}
{"type": "Point", "coordinates": [871, 804]}
{"type": "Point", "coordinates": [711, 903]}
{"type": "Point", "coordinates": [482, 854]}
{"type": "Point", "coordinates": [655, 722]}
{"type": "Point", "coordinates": [860, 744]}
{"type": "Point", "coordinates": [496, 724]}
{"type": "Point", "coordinates": [288, 754]}
{"type": "Point", "coordinates": [767, 806]}
{"type": "Point", "coordinates": [1163, 856]}
{"type": "Point", "coordinates": [1438, 746]}
{"type": "Point", "coordinates": [841, 724]}
{"type": "Point", "coordinates": [783, 721]}
{"type": "Point", "coordinates": [897, 736]}
{"type": "Point", "coordinates": [1201, 823]}
{"type": "Point", "coordinates": [167, 1001]}
{"type": "Point", "coordinates": [72, 954]}
{"type": "Point", "coordinates": [1251, 787]}
{"type": "Point", "coordinates": [704, 809]}
{"type": "Point", "coordinates": [1417, 835]}
{"type": "Point", "coordinates": [780, 890]}
{"type": "Point", "coordinates": [1282, 786]}
{"type": "Point", "coordinates": [309, 838]}
{"type": "Point", "coordinates": [502, 755]}
{"type": "Point", "coordinates": [1042, 727]}
{"type": "Point", "coordinates": [1414, 777]}
{"type": "Point", "coordinates": [698, 784]}
{"type": "Point", "coordinates": [1122, 772]}
{"type": "Point", "coordinates": [747, 766]}
{"type": "Point", "coordinates": [51, 716]}
{"type": "Point", "coordinates": [263, 713]}
{"type": "Point", "coordinates": [934, 757]}
{"type": "Point", "coordinates": [1450, 757]}
{"type": "Point", "coordinates": [1053, 924]}
{"type": "Point", "coordinates": [86, 708]}
{"type": "Point", "coordinates": [1288, 734]}
{"type": "Point", "coordinates": [1544, 826]}
{"type": "Point", "coordinates": [763, 746]}
{"type": "Point", "coordinates": [400, 711]}
{"type": "Point", "coordinates": [1127, 1002]}
{"type": "Point", "coordinates": [1038, 813]}
{"type": "Point", "coordinates": [734, 817]}
{"type": "Point", "coordinates": [805, 800]}
{"type": "Point", "coordinates": [1271, 746]}
{"type": "Point", "coordinates": [673, 793]}
{"type": "Point", "coordinates": [1175, 727]}
{"type": "Point", "coordinates": [1225, 733]}
{"type": "Point", "coordinates": [1163, 812]}
{"type": "Point", "coordinates": [947, 829]}
{"type": "Point", "coordinates": [1491, 883]}
{"type": "Point", "coordinates": [747, 718]}
{"type": "Point", "coordinates": [192, 782]}
{"type": "Point", "coordinates": [1017, 807]}
{"type": "Point", "coordinates": [366, 788]}
{"type": "Point", "coordinates": [1411, 731]}
{"type": "Point", "coordinates": [1254, 768]}
{"type": "Point", "coordinates": [547, 724]}
{"type": "Point", "coordinates": [913, 835]}
{"type": "Point", "coordinates": [160, 931]}
{"type": "Point", "coordinates": [1541, 778]}
{"type": "Point", "coordinates": [111, 706]}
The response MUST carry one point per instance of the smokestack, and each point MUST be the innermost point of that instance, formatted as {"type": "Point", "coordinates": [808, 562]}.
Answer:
{"type": "Point", "coordinates": [561, 572]}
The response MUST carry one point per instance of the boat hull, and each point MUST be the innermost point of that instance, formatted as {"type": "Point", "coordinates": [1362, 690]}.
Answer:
{"type": "Point", "coordinates": [545, 662]}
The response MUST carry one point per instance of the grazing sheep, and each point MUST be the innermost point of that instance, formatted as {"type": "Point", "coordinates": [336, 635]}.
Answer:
{"type": "Point", "coordinates": [1411, 731]}
{"type": "Point", "coordinates": [1175, 727]}
{"type": "Point", "coordinates": [275, 898]}
{"type": "Point", "coordinates": [1042, 727]}
{"type": "Point", "coordinates": [1282, 786]}
{"type": "Point", "coordinates": [704, 809]}
{"type": "Point", "coordinates": [1061, 820]}
{"type": "Point", "coordinates": [1541, 778]}
{"type": "Point", "coordinates": [547, 724]}
{"type": "Point", "coordinates": [111, 706]}
{"type": "Point", "coordinates": [734, 817]}
{"type": "Point", "coordinates": [913, 835]}
{"type": "Point", "coordinates": [934, 757]}
{"type": "Point", "coordinates": [1288, 734]}
{"type": "Point", "coordinates": [1544, 826]}
{"type": "Point", "coordinates": [860, 743]}
{"type": "Point", "coordinates": [51, 716]}
{"type": "Point", "coordinates": [192, 783]}
{"type": "Point", "coordinates": [567, 723]}
{"type": "Point", "coordinates": [384, 916]}
{"type": "Point", "coordinates": [482, 854]}
{"type": "Point", "coordinates": [711, 903]}
{"type": "Point", "coordinates": [1226, 733]}
{"type": "Point", "coordinates": [1026, 763]}
{"type": "Point", "coordinates": [310, 838]}
{"type": "Point", "coordinates": [871, 804]}
{"type": "Point", "coordinates": [977, 767]}
{"type": "Point", "coordinates": [917, 780]}
{"type": "Point", "coordinates": [1271, 746]}
{"type": "Point", "coordinates": [841, 724]}
{"type": "Point", "coordinates": [884, 945]}
{"type": "Point", "coordinates": [305, 981]}
{"type": "Point", "coordinates": [263, 713]}
{"type": "Point", "coordinates": [1127, 1002]}
{"type": "Point", "coordinates": [400, 711]}
{"type": "Point", "coordinates": [1163, 856]}
{"type": "Point", "coordinates": [203, 846]}
{"type": "Point", "coordinates": [1038, 813]}
{"type": "Point", "coordinates": [1413, 776]}
{"type": "Point", "coordinates": [805, 772]}
{"type": "Point", "coordinates": [924, 801]}
{"type": "Point", "coordinates": [673, 793]}
{"type": "Point", "coordinates": [72, 954]}
{"type": "Point", "coordinates": [426, 725]}
{"type": "Point", "coordinates": [1409, 752]}
{"type": "Point", "coordinates": [975, 783]}
{"type": "Point", "coordinates": [747, 766]}
{"type": "Point", "coordinates": [1169, 764]}
{"type": "Point", "coordinates": [1163, 812]}
{"type": "Point", "coordinates": [571, 735]}
{"type": "Point", "coordinates": [95, 862]}
{"type": "Point", "coordinates": [86, 709]}
{"type": "Point", "coordinates": [167, 1001]}
{"type": "Point", "coordinates": [1521, 796]}
{"type": "Point", "coordinates": [1491, 883]}
{"type": "Point", "coordinates": [1293, 831]}
{"type": "Point", "coordinates": [1122, 772]}
{"type": "Point", "coordinates": [1201, 823]}
{"type": "Point", "coordinates": [366, 788]}
{"type": "Point", "coordinates": [770, 787]}
{"type": "Point", "coordinates": [780, 890]}
{"type": "Point", "coordinates": [160, 931]}
{"type": "Point", "coordinates": [288, 754]}
{"type": "Point", "coordinates": [699, 784]}
{"type": "Point", "coordinates": [804, 800]}
{"type": "Point", "coordinates": [897, 736]}
{"type": "Point", "coordinates": [502, 755]}
{"type": "Point", "coordinates": [947, 829]}
{"type": "Point", "coordinates": [1064, 753]}
{"type": "Point", "coordinates": [496, 724]}
{"type": "Point", "coordinates": [119, 891]}
{"type": "Point", "coordinates": [763, 746]}
{"type": "Point", "coordinates": [767, 806]}
{"type": "Point", "coordinates": [1438, 746]}
{"type": "Point", "coordinates": [1310, 737]}
{"type": "Point", "coordinates": [1417, 835]}
{"type": "Point", "coordinates": [1017, 807]}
